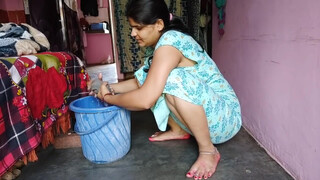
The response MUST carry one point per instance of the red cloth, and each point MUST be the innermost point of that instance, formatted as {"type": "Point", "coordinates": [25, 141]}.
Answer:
{"type": "Point", "coordinates": [56, 87]}
{"type": "Point", "coordinates": [35, 86]}
{"type": "Point", "coordinates": [45, 89]}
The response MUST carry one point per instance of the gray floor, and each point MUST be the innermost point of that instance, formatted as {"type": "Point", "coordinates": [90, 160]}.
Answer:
{"type": "Point", "coordinates": [241, 159]}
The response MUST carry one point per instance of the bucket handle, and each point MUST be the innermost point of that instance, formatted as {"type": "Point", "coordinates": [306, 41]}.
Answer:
{"type": "Point", "coordinates": [95, 128]}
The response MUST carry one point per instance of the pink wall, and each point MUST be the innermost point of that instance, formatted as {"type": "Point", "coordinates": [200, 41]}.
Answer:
{"type": "Point", "coordinates": [98, 48]}
{"type": "Point", "coordinates": [11, 5]}
{"type": "Point", "coordinates": [12, 11]}
{"type": "Point", "coordinates": [3, 5]}
{"type": "Point", "coordinates": [270, 53]}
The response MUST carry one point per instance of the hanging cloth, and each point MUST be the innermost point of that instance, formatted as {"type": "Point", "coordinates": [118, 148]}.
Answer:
{"type": "Point", "coordinates": [89, 7]}
{"type": "Point", "coordinates": [221, 4]}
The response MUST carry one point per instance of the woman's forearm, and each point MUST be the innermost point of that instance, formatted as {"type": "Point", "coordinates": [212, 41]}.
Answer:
{"type": "Point", "coordinates": [125, 86]}
{"type": "Point", "coordinates": [135, 100]}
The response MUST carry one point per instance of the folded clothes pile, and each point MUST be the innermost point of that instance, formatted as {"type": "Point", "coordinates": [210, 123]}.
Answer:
{"type": "Point", "coordinates": [23, 39]}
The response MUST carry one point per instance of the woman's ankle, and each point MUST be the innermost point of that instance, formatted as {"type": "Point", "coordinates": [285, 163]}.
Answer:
{"type": "Point", "coordinates": [207, 148]}
{"type": "Point", "coordinates": [179, 131]}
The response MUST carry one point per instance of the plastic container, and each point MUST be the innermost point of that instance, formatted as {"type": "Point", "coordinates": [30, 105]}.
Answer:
{"type": "Point", "coordinates": [104, 130]}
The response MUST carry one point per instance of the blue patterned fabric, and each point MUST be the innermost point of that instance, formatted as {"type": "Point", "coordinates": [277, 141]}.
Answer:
{"type": "Point", "coordinates": [201, 84]}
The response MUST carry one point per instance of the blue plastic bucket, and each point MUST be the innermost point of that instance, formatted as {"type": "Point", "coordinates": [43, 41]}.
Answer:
{"type": "Point", "coordinates": [104, 130]}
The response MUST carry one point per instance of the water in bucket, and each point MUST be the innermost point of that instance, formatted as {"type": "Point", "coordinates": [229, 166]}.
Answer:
{"type": "Point", "coordinates": [104, 129]}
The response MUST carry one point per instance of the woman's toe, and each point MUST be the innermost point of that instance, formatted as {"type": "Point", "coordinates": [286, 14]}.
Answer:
{"type": "Point", "coordinates": [200, 175]}
{"type": "Point", "coordinates": [207, 175]}
{"type": "Point", "coordinates": [155, 134]}
{"type": "Point", "coordinates": [190, 174]}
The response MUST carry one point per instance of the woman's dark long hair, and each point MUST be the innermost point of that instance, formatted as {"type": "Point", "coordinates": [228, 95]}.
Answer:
{"type": "Point", "coordinates": [149, 11]}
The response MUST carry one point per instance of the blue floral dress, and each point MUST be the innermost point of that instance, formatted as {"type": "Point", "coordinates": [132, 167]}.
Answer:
{"type": "Point", "coordinates": [201, 84]}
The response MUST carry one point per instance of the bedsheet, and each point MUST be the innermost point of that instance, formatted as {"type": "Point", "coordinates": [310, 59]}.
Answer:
{"type": "Point", "coordinates": [35, 91]}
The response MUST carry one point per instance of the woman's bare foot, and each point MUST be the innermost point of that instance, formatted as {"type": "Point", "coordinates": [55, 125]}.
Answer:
{"type": "Point", "coordinates": [205, 165]}
{"type": "Point", "coordinates": [169, 135]}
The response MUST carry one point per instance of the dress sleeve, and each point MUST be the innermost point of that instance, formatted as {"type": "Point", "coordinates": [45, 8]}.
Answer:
{"type": "Point", "coordinates": [184, 43]}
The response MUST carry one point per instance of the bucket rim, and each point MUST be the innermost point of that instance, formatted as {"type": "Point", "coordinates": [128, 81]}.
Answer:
{"type": "Point", "coordinates": [77, 109]}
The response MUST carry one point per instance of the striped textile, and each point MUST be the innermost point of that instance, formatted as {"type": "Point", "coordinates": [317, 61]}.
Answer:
{"type": "Point", "coordinates": [19, 131]}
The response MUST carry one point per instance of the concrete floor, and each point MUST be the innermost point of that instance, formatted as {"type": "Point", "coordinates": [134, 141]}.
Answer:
{"type": "Point", "coordinates": [241, 159]}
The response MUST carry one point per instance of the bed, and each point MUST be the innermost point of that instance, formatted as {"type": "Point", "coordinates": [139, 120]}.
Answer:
{"type": "Point", "coordinates": [36, 87]}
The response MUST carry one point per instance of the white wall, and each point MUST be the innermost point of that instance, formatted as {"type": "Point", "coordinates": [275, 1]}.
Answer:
{"type": "Point", "coordinates": [270, 54]}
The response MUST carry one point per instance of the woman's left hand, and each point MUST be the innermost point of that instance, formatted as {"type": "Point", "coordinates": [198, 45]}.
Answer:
{"type": "Point", "coordinates": [105, 90]}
